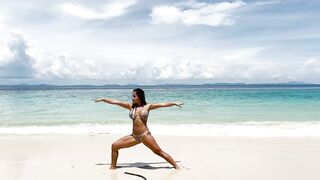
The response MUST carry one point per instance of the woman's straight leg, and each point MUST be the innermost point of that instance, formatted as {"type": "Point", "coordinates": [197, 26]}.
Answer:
{"type": "Point", "coordinates": [149, 141]}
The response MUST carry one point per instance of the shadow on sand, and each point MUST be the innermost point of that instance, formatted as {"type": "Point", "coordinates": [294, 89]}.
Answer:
{"type": "Point", "coordinates": [141, 165]}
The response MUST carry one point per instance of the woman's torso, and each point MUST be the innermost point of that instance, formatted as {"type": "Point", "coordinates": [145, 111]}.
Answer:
{"type": "Point", "coordinates": [139, 116]}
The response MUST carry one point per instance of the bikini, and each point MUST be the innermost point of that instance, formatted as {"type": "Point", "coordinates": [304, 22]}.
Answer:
{"type": "Point", "coordinates": [144, 116]}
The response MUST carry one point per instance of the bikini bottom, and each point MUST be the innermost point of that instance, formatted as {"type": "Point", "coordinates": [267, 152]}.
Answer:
{"type": "Point", "coordinates": [138, 137]}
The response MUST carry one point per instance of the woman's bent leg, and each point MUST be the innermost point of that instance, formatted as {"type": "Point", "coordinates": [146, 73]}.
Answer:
{"type": "Point", "coordinates": [149, 141]}
{"type": "Point", "coordinates": [124, 142]}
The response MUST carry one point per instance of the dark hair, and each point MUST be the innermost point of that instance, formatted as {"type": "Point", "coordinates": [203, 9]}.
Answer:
{"type": "Point", "coordinates": [141, 96]}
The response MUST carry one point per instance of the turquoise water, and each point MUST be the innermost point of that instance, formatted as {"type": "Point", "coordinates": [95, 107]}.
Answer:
{"type": "Point", "coordinates": [203, 105]}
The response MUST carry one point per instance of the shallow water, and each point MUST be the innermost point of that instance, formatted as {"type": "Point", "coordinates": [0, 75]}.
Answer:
{"type": "Point", "coordinates": [276, 105]}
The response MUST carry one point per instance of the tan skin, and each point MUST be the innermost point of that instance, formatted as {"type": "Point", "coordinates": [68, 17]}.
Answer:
{"type": "Point", "coordinates": [139, 127]}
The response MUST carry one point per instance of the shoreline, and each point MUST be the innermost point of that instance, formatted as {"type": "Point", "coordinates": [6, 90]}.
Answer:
{"type": "Point", "coordinates": [243, 129]}
{"type": "Point", "coordinates": [52, 156]}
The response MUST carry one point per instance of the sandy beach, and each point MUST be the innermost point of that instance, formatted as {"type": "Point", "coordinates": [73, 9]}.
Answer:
{"type": "Point", "coordinates": [88, 157]}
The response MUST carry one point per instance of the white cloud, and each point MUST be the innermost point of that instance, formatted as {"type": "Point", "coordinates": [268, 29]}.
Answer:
{"type": "Point", "coordinates": [239, 66]}
{"type": "Point", "coordinates": [211, 14]}
{"type": "Point", "coordinates": [236, 65]}
{"type": "Point", "coordinates": [268, 2]}
{"type": "Point", "coordinates": [242, 54]}
{"type": "Point", "coordinates": [166, 68]}
{"type": "Point", "coordinates": [220, 67]}
{"type": "Point", "coordinates": [152, 68]}
{"type": "Point", "coordinates": [110, 10]}
{"type": "Point", "coordinates": [310, 70]}
{"type": "Point", "coordinates": [312, 64]}
{"type": "Point", "coordinates": [165, 14]}
{"type": "Point", "coordinates": [53, 65]}
{"type": "Point", "coordinates": [16, 63]}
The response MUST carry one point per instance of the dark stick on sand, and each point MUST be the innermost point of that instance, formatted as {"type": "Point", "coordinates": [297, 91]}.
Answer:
{"type": "Point", "coordinates": [136, 175]}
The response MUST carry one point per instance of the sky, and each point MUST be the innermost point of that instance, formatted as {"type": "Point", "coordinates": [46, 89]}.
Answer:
{"type": "Point", "coordinates": [159, 42]}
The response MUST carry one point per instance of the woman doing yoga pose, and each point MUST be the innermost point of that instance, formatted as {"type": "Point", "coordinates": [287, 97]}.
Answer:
{"type": "Point", "coordinates": [138, 112]}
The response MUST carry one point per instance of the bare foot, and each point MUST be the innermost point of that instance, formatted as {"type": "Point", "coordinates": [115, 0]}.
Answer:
{"type": "Point", "coordinates": [112, 167]}
{"type": "Point", "coordinates": [182, 167]}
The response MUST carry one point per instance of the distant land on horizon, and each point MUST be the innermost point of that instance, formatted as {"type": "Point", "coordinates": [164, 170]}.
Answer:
{"type": "Point", "coordinates": [111, 86]}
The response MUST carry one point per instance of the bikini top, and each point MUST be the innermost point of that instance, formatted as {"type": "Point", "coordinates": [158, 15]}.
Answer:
{"type": "Point", "coordinates": [143, 114]}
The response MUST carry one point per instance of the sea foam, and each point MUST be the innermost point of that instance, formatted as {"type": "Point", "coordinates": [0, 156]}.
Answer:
{"type": "Point", "coordinates": [243, 129]}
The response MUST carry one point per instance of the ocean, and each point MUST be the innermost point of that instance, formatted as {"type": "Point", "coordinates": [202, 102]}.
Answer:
{"type": "Point", "coordinates": [261, 110]}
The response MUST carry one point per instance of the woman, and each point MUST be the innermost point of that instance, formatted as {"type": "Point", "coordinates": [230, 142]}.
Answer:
{"type": "Point", "coordinates": [138, 112]}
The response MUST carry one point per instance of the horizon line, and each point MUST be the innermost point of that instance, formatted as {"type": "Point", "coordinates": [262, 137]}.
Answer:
{"type": "Point", "coordinates": [165, 84]}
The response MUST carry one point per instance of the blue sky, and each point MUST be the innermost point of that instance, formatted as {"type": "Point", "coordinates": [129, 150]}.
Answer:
{"type": "Point", "coordinates": [155, 42]}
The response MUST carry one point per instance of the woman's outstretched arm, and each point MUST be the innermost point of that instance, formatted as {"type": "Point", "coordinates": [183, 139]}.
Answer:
{"type": "Point", "coordinates": [116, 102]}
{"type": "Point", "coordinates": [160, 105]}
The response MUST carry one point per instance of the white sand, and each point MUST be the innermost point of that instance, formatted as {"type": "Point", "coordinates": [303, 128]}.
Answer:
{"type": "Point", "coordinates": [88, 157]}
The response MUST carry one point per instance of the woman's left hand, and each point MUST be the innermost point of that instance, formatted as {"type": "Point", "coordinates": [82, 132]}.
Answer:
{"type": "Point", "coordinates": [179, 104]}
